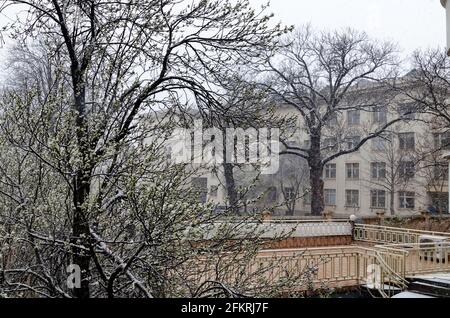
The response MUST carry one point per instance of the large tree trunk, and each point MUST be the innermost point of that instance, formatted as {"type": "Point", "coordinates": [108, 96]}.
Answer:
{"type": "Point", "coordinates": [81, 233]}
{"type": "Point", "coordinates": [81, 190]}
{"type": "Point", "coordinates": [316, 177]}
{"type": "Point", "coordinates": [228, 170]}
{"type": "Point", "coordinates": [392, 203]}
{"type": "Point", "coordinates": [232, 195]}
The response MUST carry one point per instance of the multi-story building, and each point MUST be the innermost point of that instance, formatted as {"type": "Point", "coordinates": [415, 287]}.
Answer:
{"type": "Point", "coordinates": [400, 173]}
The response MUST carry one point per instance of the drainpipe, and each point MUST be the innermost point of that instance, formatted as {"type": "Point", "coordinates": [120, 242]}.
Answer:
{"type": "Point", "coordinates": [447, 157]}
{"type": "Point", "coordinates": [446, 5]}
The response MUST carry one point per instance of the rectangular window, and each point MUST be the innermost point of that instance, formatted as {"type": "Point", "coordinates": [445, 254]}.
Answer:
{"type": "Point", "coordinates": [352, 171]}
{"type": "Point", "coordinates": [407, 110]}
{"type": "Point", "coordinates": [379, 144]}
{"type": "Point", "coordinates": [442, 141]}
{"type": "Point", "coordinates": [353, 117]}
{"type": "Point", "coordinates": [352, 142]}
{"type": "Point", "coordinates": [379, 115]}
{"type": "Point", "coordinates": [407, 170]}
{"type": "Point", "coordinates": [439, 201]}
{"type": "Point", "coordinates": [200, 186]}
{"type": "Point", "coordinates": [289, 194]}
{"type": "Point", "coordinates": [330, 171]}
{"type": "Point", "coordinates": [441, 171]}
{"type": "Point", "coordinates": [407, 141]}
{"type": "Point", "coordinates": [330, 144]}
{"type": "Point", "coordinates": [330, 197]}
{"type": "Point", "coordinates": [332, 121]}
{"type": "Point", "coordinates": [352, 198]}
{"type": "Point", "coordinates": [407, 200]}
{"type": "Point", "coordinates": [378, 170]}
{"type": "Point", "coordinates": [306, 196]}
{"type": "Point", "coordinates": [378, 199]}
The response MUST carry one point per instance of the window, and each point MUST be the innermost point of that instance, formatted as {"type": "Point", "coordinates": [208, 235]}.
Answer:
{"type": "Point", "coordinates": [289, 194]}
{"type": "Point", "coordinates": [442, 141]}
{"type": "Point", "coordinates": [439, 201]}
{"type": "Point", "coordinates": [271, 195]}
{"type": "Point", "coordinates": [352, 142]}
{"type": "Point", "coordinates": [407, 141]}
{"type": "Point", "coordinates": [306, 196]}
{"type": "Point", "coordinates": [353, 117]}
{"type": "Point", "coordinates": [407, 170]}
{"type": "Point", "coordinates": [378, 170]}
{"type": "Point", "coordinates": [379, 115]}
{"type": "Point", "coordinates": [330, 171]}
{"type": "Point", "coordinates": [214, 191]}
{"type": "Point", "coordinates": [407, 110]}
{"type": "Point", "coordinates": [331, 144]}
{"type": "Point", "coordinates": [407, 200]}
{"type": "Point", "coordinates": [200, 186]}
{"type": "Point", "coordinates": [379, 144]}
{"type": "Point", "coordinates": [441, 171]}
{"type": "Point", "coordinates": [352, 170]}
{"type": "Point", "coordinates": [332, 121]}
{"type": "Point", "coordinates": [378, 199]}
{"type": "Point", "coordinates": [330, 197]}
{"type": "Point", "coordinates": [352, 198]}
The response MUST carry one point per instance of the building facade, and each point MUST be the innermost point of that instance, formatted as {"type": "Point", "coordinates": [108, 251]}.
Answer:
{"type": "Point", "coordinates": [401, 172]}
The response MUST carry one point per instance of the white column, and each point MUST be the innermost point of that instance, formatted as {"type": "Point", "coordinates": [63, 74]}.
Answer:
{"type": "Point", "coordinates": [446, 5]}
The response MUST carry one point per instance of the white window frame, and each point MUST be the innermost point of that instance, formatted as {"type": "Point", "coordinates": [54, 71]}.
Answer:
{"type": "Point", "coordinates": [330, 169]}
{"type": "Point", "coordinates": [354, 117]}
{"type": "Point", "coordinates": [352, 168]}
{"type": "Point", "coordinates": [289, 194]}
{"type": "Point", "coordinates": [328, 194]}
{"type": "Point", "coordinates": [376, 169]}
{"type": "Point", "coordinates": [379, 144]}
{"type": "Point", "coordinates": [404, 170]}
{"type": "Point", "coordinates": [352, 193]}
{"type": "Point", "coordinates": [403, 196]}
{"type": "Point", "coordinates": [405, 139]}
{"type": "Point", "coordinates": [380, 115]}
{"type": "Point", "coordinates": [379, 196]}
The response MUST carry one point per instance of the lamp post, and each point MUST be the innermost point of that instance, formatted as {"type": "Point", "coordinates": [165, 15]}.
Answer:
{"type": "Point", "coordinates": [447, 157]}
{"type": "Point", "coordinates": [446, 5]}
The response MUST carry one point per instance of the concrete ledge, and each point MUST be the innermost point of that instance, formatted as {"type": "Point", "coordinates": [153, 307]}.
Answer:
{"type": "Point", "coordinates": [310, 242]}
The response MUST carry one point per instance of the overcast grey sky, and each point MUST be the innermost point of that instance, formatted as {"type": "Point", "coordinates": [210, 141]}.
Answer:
{"type": "Point", "coordinates": [412, 23]}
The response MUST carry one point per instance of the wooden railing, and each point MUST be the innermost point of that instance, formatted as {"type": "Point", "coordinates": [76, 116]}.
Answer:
{"type": "Point", "coordinates": [415, 257]}
{"type": "Point", "coordinates": [422, 258]}
{"type": "Point", "coordinates": [383, 267]}
{"type": "Point", "coordinates": [383, 270]}
{"type": "Point", "coordinates": [390, 235]}
{"type": "Point", "coordinates": [394, 256]}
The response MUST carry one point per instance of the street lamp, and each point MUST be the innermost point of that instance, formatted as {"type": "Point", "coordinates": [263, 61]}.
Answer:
{"type": "Point", "coordinates": [446, 5]}
{"type": "Point", "coordinates": [447, 156]}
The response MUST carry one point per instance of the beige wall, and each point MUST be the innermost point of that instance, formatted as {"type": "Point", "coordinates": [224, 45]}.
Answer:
{"type": "Point", "coordinates": [423, 136]}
